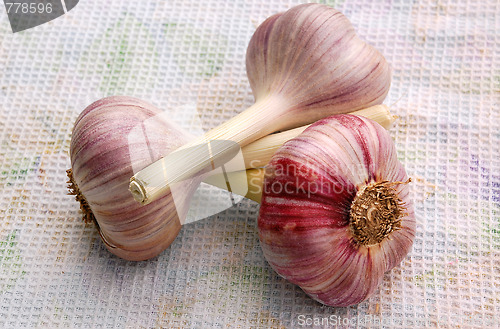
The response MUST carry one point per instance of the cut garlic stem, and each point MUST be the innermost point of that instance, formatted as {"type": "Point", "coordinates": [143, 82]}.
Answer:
{"type": "Point", "coordinates": [154, 180]}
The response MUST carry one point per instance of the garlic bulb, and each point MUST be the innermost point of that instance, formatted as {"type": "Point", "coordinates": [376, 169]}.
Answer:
{"type": "Point", "coordinates": [336, 212]}
{"type": "Point", "coordinates": [304, 64]}
{"type": "Point", "coordinates": [101, 166]}
{"type": "Point", "coordinates": [311, 56]}
{"type": "Point", "coordinates": [105, 152]}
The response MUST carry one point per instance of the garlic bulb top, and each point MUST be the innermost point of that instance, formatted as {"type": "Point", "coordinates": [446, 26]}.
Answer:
{"type": "Point", "coordinates": [303, 65]}
{"type": "Point", "coordinates": [104, 154]}
{"type": "Point", "coordinates": [312, 55]}
{"type": "Point", "coordinates": [336, 211]}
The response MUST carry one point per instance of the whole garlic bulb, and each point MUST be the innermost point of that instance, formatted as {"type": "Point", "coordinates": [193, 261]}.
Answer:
{"type": "Point", "coordinates": [102, 164]}
{"type": "Point", "coordinates": [312, 56]}
{"type": "Point", "coordinates": [336, 212]}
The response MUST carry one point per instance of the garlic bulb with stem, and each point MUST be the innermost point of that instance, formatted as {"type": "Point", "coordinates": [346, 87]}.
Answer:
{"type": "Point", "coordinates": [336, 212]}
{"type": "Point", "coordinates": [105, 152]}
{"type": "Point", "coordinates": [303, 65]}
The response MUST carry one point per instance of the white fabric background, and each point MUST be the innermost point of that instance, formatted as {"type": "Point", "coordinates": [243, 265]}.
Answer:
{"type": "Point", "coordinates": [187, 57]}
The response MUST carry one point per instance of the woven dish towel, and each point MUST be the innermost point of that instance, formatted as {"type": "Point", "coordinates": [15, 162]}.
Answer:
{"type": "Point", "coordinates": [188, 58]}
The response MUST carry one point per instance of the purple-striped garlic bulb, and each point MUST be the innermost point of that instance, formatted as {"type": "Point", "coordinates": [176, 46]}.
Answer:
{"type": "Point", "coordinates": [303, 65]}
{"type": "Point", "coordinates": [104, 155]}
{"type": "Point", "coordinates": [311, 57]}
{"type": "Point", "coordinates": [336, 212]}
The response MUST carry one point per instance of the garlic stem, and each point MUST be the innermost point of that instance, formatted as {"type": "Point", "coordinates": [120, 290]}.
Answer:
{"type": "Point", "coordinates": [259, 153]}
{"type": "Point", "coordinates": [155, 179]}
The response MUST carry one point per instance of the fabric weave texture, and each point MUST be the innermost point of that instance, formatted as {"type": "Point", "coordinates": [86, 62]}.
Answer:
{"type": "Point", "coordinates": [188, 58]}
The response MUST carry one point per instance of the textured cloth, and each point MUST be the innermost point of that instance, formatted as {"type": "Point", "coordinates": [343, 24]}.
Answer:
{"type": "Point", "coordinates": [188, 58]}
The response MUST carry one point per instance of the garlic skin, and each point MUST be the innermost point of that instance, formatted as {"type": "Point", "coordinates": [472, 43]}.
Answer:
{"type": "Point", "coordinates": [336, 212]}
{"type": "Point", "coordinates": [303, 65]}
{"type": "Point", "coordinates": [101, 167]}
{"type": "Point", "coordinates": [312, 55]}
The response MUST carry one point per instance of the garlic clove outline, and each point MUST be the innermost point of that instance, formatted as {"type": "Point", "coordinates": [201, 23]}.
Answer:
{"type": "Point", "coordinates": [303, 65]}
{"type": "Point", "coordinates": [336, 211]}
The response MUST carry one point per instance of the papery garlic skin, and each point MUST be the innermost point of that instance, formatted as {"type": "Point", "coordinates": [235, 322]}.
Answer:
{"type": "Point", "coordinates": [311, 55]}
{"type": "Point", "coordinates": [305, 215]}
{"type": "Point", "coordinates": [104, 157]}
